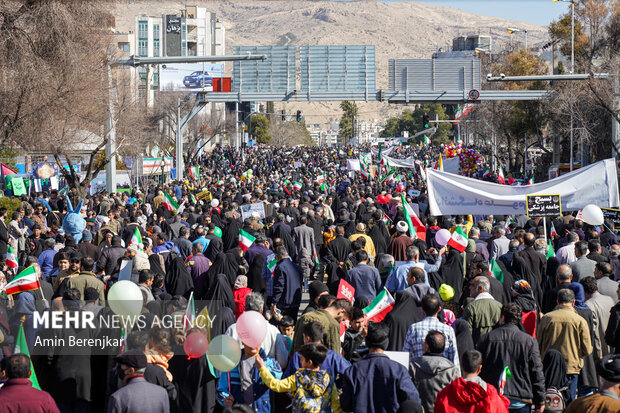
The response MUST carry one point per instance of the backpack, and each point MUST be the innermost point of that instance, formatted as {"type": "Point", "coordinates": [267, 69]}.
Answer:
{"type": "Point", "coordinates": [554, 400]}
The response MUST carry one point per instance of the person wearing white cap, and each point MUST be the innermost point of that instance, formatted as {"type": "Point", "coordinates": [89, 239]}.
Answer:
{"type": "Point", "coordinates": [400, 242]}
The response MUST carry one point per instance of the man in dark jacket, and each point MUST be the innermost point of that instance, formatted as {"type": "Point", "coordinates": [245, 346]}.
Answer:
{"type": "Point", "coordinates": [432, 372]}
{"type": "Point", "coordinates": [87, 248]}
{"type": "Point", "coordinates": [4, 235]}
{"type": "Point", "coordinates": [287, 280]}
{"type": "Point", "coordinates": [535, 260]}
{"type": "Point", "coordinates": [107, 263]}
{"type": "Point", "coordinates": [18, 395]}
{"type": "Point", "coordinates": [508, 346]}
{"type": "Point", "coordinates": [376, 384]}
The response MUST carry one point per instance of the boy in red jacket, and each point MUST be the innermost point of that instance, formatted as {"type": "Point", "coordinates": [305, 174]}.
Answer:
{"type": "Point", "coordinates": [470, 394]}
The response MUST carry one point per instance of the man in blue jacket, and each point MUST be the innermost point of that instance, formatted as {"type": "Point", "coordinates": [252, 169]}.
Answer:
{"type": "Point", "coordinates": [287, 280]}
{"type": "Point", "coordinates": [364, 278]}
{"type": "Point", "coordinates": [376, 384]}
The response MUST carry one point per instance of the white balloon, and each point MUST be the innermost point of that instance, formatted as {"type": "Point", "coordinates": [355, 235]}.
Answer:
{"type": "Point", "coordinates": [125, 298]}
{"type": "Point", "coordinates": [592, 215]}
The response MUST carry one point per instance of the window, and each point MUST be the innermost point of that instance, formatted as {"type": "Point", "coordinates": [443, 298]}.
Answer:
{"type": "Point", "coordinates": [155, 80]}
{"type": "Point", "coordinates": [124, 47]}
{"type": "Point", "coordinates": [143, 50]}
{"type": "Point", "coordinates": [155, 48]}
{"type": "Point", "coordinates": [156, 32]}
{"type": "Point", "coordinates": [143, 29]}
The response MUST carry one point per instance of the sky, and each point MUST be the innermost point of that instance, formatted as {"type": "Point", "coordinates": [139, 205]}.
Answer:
{"type": "Point", "coordinates": [540, 12]}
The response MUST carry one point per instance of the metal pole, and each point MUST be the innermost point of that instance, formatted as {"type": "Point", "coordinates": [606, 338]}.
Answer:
{"type": "Point", "coordinates": [179, 149]}
{"type": "Point", "coordinates": [572, 34]}
{"type": "Point", "coordinates": [110, 170]}
{"type": "Point", "coordinates": [237, 125]}
{"type": "Point", "coordinates": [571, 132]}
{"type": "Point", "coordinates": [524, 155]}
{"type": "Point", "coordinates": [525, 31]}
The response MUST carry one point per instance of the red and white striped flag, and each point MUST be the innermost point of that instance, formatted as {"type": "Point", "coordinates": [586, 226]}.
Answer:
{"type": "Point", "coordinates": [169, 203]}
{"type": "Point", "coordinates": [11, 259]}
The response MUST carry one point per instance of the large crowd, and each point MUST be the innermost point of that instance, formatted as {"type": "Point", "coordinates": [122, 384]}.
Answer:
{"type": "Point", "coordinates": [515, 322]}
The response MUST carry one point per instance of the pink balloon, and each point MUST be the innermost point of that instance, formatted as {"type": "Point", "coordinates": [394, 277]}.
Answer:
{"type": "Point", "coordinates": [388, 198]}
{"type": "Point", "coordinates": [196, 345]}
{"type": "Point", "coordinates": [400, 188]}
{"type": "Point", "coordinates": [443, 236]}
{"type": "Point", "coordinates": [252, 328]}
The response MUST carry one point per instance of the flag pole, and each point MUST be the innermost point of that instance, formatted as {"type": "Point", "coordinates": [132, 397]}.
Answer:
{"type": "Point", "coordinates": [545, 226]}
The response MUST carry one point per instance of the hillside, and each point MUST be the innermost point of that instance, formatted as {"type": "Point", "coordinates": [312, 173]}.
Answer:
{"type": "Point", "coordinates": [398, 30]}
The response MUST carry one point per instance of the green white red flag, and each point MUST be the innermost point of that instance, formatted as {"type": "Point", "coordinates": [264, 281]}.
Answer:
{"type": "Point", "coordinates": [271, 266]}
{"type": "Point", "coordinates": [21, 346]}
{"type": "Point", "coordinates": [380, 306]}
{"type": "Point", "coordinates": [245, 240]}
{"type": "Point", "coordinates": [194, 172]}
{"type": "Point", "coordinates": [506, 374]}
{"type": "Point", "coordinates": [11, 259]}
{"type": "Point", "coordinates": [169, 203]}
{"type": "Point", "coordinates": [136, 239]}
{"type": "Point", "coordinates": [26, 280]}
{"type": "Point", "coordinates": [297, 186]}
{"type": "Point", "coordinates": [458, 241]}
{"type": "Point", "coordinates": [415, 225]}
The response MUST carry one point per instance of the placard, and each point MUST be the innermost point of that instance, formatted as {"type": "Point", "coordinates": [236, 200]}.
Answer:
{"type": "Point", "coordinates": [203, 195]}
{"type": "Point", "coordinates": [248, 209]}
{"type": "Point", "coordinates": [345, 290]}
{"type": "Point", "coordinates": [613, 215]}
{"type": "Point", "coordinates": [19, 188]}
{"type": "Point", "coordinates": [543, 205]}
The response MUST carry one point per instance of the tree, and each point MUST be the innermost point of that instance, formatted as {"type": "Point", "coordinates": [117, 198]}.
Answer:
{"type": "Point", "coordinates": [55, 87]}
{"type": "Point", "coordinates": [412, 122]}
{"type": "Point", "coordinates": [290, 134]}
{"type": "Point", "coordinates": [260, 128]}
{"type": "Point", "coordinates": [350, 111]}
{"type": "Point", "coordinates": [512, 122]}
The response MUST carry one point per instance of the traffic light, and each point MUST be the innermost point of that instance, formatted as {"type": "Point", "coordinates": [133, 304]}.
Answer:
{"type": "Point", "coordinates": [425, 121]}
{"type": "Point", "coordinates": [298, 116]}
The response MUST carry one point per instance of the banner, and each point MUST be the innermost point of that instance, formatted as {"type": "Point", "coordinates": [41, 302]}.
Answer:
{"type": "Point", "coordinates": [345, 290]}
{"type": "Point", "coordinates": [449, 165]}
{"type": "Point", "coordinates": [19, 188]}
{"type": "Point", "coordinates": [353, 164]}
{"type": "Point", "coordinates": [451, 194]}
{"type": "Point", "coordinates": [248, 209]}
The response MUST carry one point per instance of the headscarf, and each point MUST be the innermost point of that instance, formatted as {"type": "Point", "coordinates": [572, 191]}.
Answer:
{"type": "Point", "coordinates": [524, 297]}
{"type": "Point", "coordinates": [451, 273]}
{"type": "Point", "coordinates": [580, 297]}
{"type": "Point", "coordinates": [554, 368]}
{"type": "Point", "coordinates": [402, 316]}
{"type": "Point", "coordinates": [464, 339]}
{"type": "Point", "coordinates": [222, 265]}
{"type": "Point", "coordinates": [178, 280]}
{"type": "Point", "coordinates": [220, 295]}
{"type": "Point", "coordinates": [224, 318]}
{"type": "Point", "coordinates": [256, 282]}
{"type": "Point", "coordinates": [522, 271]}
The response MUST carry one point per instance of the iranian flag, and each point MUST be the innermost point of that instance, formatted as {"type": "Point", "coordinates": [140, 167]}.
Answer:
{"type": "Point", "coordinates": [11, 260]}
{"type": "Point", "coordinates": [427, 140]}
{"type": "Point", "coordinates": [552, 233]}
{"type": "Point", "coordinates": [458, 241]}
{"type": "Point", "coordinates": [245, 240]}
{"type": "Point", "coordinates": [136, 238]}
{"type": "Point", "coordinates": [486, 174]}
{"type": "Point", "coordinates": [320, 179]}
{"type": "Point", "coordinates": [495, 271]}
{"type": "Point", "coordinates": [530, 181]}
{"type": "Point", "coordinates": [189, 318]}
{"type": "Point", "coordinates": [364, 171]}
{"type": "Point", "coordinates": [412, 220]}
{"type": "Point", "coordinates": [192, 198]}
{"type": "Point", "coordinates": [380, 306]}
{"type": "Point", "coordinates": [506, 374]}
{"type": "Point", "coordinates": [271, 266]}
{"type": "Point", "coordinates": [21, 346]}
{"type": "Point", "coordinates": [500, 176]}
{"type": "Point", "coordinates": [169, 203]}
{"type": "Point", "coordinates": [194, 172]}
{"type": "Point", "coordinates": [297, 186]}
{"type": "Point", "coordinates": [550, 251]}
{"type": "Point", "coordinates": [26, 280]}
{"type": "Point", "coordinates": [386, 220]}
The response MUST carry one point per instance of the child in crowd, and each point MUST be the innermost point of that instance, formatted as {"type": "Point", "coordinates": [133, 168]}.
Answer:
{"type": "Point", "coordinates": [313, 389]}
{"type": "Point", "coordinates": [240, 291]}
{"type": "Point", "coordinates": [354, 345]}
{"type": "Point", "coordinates": [286, 325]}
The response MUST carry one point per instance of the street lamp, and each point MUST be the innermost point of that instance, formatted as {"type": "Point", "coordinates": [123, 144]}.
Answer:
{"type": "Point", "coordinates": [572, 69]}
{"type": "Point", "coordinates": [512, 30]}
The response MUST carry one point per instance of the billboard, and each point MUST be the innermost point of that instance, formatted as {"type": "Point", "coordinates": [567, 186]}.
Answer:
{"type": "Point", "coordinates": [189, 77]}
